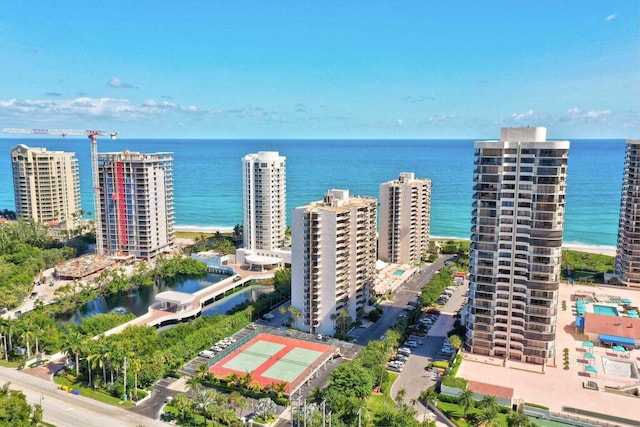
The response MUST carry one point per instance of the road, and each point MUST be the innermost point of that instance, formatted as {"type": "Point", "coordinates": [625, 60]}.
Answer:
{"type": "Point", "coordinates": [67, 410]}
{"type": "Point", "coordinates": [408, 292]}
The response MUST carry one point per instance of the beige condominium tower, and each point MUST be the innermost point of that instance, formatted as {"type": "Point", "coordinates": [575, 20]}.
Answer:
{"type": "Point", "coordinates": [46, 186]}
{"type": "Point", "coordinates": [333, 260]}
{"type": "Point", "coordinates": [136, 203]}
{"type": "Point", "coordinates": [405, 211]}
{"type": "Point", "coordinates": [516, 243]}
{"type": "Point", "coordinates": [628, 254]}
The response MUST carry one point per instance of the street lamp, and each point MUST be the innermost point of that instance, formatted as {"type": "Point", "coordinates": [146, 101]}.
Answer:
{"type": "Point", "coordinates": [41, 399]}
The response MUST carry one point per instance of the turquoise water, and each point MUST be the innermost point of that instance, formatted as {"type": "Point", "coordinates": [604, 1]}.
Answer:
{"type": "Point", "coordinates": [208, 184]}
{"type": "Point", "coordinates": [605, 309]}
{"type": "Point", "coordinates": [398, 272]}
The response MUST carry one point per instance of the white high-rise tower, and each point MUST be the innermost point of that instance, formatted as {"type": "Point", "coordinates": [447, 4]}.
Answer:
{"type": "Point", "coordinates": [264, 201]}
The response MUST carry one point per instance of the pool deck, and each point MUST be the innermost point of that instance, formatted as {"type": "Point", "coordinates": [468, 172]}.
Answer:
{"type": "Point", "coordinates": [557, 387]}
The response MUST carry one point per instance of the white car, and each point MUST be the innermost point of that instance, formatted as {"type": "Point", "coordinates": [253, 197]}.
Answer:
{"type": "Point", "coordinates": [206, 354]}
{"type": "Point", "coordinates": [216, 348]}
{"type": "Point", "coordinates": [412, 344]}
{"type": "Point", "coordinates": [232, 339]}
{"type": "Point", "coordinates": [267, 316]}
{"type": "Point", "coordinates": [404, 350]}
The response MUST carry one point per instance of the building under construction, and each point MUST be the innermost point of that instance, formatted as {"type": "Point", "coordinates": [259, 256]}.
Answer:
{"type": "Point", "coordinates": [136, 203]}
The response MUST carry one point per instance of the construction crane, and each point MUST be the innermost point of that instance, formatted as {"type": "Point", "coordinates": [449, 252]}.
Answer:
{"type": "Point", "coordinates": [93, 137]}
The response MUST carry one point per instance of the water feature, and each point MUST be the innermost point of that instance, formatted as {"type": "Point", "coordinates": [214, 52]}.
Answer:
{"type": "Point", "coordinates": [137, 301]}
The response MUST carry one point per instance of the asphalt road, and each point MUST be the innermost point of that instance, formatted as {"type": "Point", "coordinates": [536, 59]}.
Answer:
{"type": "Point", "coordinates": [67, 410]}
{"type": "Point", "coordinates": [394, 308]}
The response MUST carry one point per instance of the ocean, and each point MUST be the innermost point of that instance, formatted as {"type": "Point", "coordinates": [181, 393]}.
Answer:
{"type": "Point", "coordinates": [208, 185]}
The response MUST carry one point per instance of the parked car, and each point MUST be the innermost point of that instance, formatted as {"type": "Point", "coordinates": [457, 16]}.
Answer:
{"type": "Point", "coordinates": [400, 358]}
{"type": "Point", "coordinates": [404, 350]}
{"type": "Point", "coordinates": [206, 354]}
{"type": "Point", "coordinates": [412, 344]}
{"type": "Point", "coordinates": [267, 316]}
{"type": "Point", "coordinates": [216, 348]}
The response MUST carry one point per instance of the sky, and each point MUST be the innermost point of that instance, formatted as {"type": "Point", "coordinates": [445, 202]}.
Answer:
{"type": "Point", "coordinates": [321, 69]}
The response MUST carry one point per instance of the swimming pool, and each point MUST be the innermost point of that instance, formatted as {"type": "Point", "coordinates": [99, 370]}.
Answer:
{"type": "Point", "coordinates": [607, 310]}
{"type": "Point", "coordinates": [398, 272]}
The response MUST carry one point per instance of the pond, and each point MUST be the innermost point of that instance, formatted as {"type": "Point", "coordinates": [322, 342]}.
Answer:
{"type": "Point", "coordinates": [138, 300]}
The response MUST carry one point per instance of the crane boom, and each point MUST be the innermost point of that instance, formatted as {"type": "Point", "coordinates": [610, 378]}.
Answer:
{"type": "Point", "coordinates": [93, 137]}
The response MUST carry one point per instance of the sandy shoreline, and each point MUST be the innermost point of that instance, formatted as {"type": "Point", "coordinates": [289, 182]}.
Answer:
{"type": "Point", "coordinates": [593, 249]}
{"type": "Point", "coordinates": [202, 229]}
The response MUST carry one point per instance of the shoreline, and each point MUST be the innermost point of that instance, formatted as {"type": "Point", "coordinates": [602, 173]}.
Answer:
{"type": "Point", "coordinates": [574, 246]}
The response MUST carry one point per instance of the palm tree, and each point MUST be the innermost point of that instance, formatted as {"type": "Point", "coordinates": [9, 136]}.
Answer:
{"type": "Point", "coordinates": [466, 400]}
{"type": "Point", "coordinates": [489, 402]}
{"type": "Point", "coordinates": [201, 370]}
{"type": "Point", "coordinates": [72, 344]}
{"type": "Point", "coordinates": [136, 366]}
{"type": "Point", "coordinates": [402, 393]}
{"type": "Point", "coordinates": [181, 403]}
{"type": "Point", "coordinates": [517, 419]}
{"type": "Point", "coordinates": [202, 401]}
{"type": "Point", "coordinates": [429, 396]}
{"type": "Point", "coordinates": [489, 417]}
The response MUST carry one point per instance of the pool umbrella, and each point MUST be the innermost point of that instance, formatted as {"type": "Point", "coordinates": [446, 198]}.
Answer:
{"type": "Point", "coordinates": [591, 368]}
{"type": "Point", "coordinates": [626, 301]}
{"type": "Point", "coordinates": [587, 344]}
{"type": "Point", "coordinates": [618, 349]}
{"type": "Point", "coordinates": [589, 356]}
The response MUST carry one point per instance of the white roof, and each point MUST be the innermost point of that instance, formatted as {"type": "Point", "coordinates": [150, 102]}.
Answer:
{"type": "Point", "coordinates": [175, 297]}
{"type": "Point", "coordinates": [262, 260]}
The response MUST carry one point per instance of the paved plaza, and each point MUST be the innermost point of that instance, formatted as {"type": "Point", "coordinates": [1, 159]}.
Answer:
{"type": "Point", "coordinates": [556, 387]}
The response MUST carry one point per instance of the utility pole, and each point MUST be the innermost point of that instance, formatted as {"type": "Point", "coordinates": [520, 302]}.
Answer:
{"type": "Point", "coordinates": [124, 366]}
{"type": "Point", "coordinates": [360, 417]}
{"type": "Point", "coordinates": [323, 408]}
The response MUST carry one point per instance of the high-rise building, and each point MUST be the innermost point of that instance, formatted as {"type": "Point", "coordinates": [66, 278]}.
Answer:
{"type": "Point", "coordinates": [628, 253]}
{"type": "Point", "coordinates": [405, 212]}
{"type": "Point", "coordinates": [333, 260]}
{"type": "Point", "coordinates": [516, 245]}
{"type": "Point", "coordinates": [136, 203]}
{"type": "Point", "coordinates": [264, 201]}
{"type": "Point", "coordinates": [46, 186]}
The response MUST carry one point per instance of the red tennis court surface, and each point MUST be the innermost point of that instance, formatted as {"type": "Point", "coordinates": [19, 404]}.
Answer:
{"type": "Point", "coordinates": [275, 359]}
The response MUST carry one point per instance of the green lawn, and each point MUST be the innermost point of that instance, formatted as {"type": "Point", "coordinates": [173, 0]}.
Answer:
{"type": "Point", "coordinates": [455, 412]}
{"type": "Point", "coordinates": [91, 393]}
{"type": "Point", "coordinates": [376, 404]}
{"type": "Point", "coordinates": [10, 364]}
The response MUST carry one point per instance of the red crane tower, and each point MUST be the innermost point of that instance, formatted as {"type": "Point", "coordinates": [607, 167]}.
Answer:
{"type": "Point", "coordinates": [93, 137]}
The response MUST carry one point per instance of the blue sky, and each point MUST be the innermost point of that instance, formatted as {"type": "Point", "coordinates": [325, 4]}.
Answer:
{"type": "Point", "coordinates": [312, 69]}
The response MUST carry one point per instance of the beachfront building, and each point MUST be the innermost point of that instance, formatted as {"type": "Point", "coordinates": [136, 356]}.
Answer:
{"type": "Point", "coordinates": [46, 186]}
{"type": "Point", "coordinates": [333, 260]}
{"type": "Point", "coordinates": [136, 203]}
{"type": "Point", "coordinates": [516, 243]}
{"type": "Point", "coordinates": [628, 252]}
{"type": "Point", "coordinates": [264, 210]}
{"type": "Point", "coordinates": [405, 212]}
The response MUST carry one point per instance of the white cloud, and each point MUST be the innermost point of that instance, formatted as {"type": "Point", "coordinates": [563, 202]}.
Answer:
{"type": "Point", "coordinates": [55, 110]}
{"type": "Point", "coordinates": [522, 116]}
{"type": "Point", "coordinates": [116, 83]}
{"type": "Point", "coordinates": [577, 114]}
{"type": "Point", "coordinates": [611, 17]}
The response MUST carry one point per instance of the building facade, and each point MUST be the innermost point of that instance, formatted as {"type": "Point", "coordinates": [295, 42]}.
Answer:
{"type": "Point", "coordinates": [405, 213]}
{"type": "Point", "coordinates": [516, 246]}
{"type": "Point", "coordinates": [136, 203]}
{"type": "Point", "coordinates": [264, 200]}
{"type": "Point", "coordinates": [628, 251]}
{"type": "Point", "coordinates": [333, 260]}
{"type": "Point", "coordinates": [46, 186]}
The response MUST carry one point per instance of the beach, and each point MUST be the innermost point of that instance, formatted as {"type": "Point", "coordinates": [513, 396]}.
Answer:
{"type": "Point", "coordinates": [581, 247]}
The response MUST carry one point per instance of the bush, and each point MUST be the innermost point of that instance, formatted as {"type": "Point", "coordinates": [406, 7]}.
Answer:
{"type": "Point", "coordinates": [373, 316]}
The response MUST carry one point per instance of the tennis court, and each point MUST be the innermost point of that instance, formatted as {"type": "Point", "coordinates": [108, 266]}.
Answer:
{"type": "Point", "coordinates": [274, 359]}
